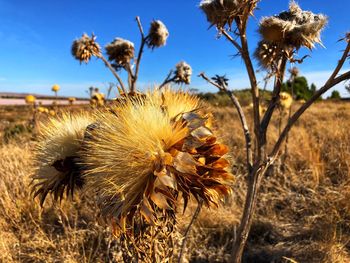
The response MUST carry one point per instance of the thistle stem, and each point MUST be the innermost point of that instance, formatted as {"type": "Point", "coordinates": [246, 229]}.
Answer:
{"type": "Point", "coordinates": [115, 74]}
{"type": "Point", "coordinates": [194, 217]}
{"type": "Point", "coordinates": [242, 118]}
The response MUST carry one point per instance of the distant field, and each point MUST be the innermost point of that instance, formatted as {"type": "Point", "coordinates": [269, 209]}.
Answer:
{"type": "Point", "coordinates": [6, 101]}
{"type": "Point", "coordinates": [303, 212]}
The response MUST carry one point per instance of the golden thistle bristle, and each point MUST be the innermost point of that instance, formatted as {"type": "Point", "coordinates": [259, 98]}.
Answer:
{"type": "Point", "coordinates": [139, 159]}
{"type": "Point", "coordinates": [85, 47]}
{"type": "Point", "coordinates": [175, 102]}
{"type": "Point", "coordinates": [57, 155]}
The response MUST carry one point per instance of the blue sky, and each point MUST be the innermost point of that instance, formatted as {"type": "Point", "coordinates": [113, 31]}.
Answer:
{"type": "Point", "coordinates": [36, 37]}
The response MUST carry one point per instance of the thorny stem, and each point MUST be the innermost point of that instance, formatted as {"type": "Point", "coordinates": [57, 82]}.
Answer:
{"type": "Point", "coordinates": [194, 217]}
{"type": "Point", "coordinates": [139, 56]}
{"type": "Point", "coordinates": [115, 74]}
{"type": "Point", "coordinates": [274, 100]}
{"type": "Point", "coordinates": [242, 118]}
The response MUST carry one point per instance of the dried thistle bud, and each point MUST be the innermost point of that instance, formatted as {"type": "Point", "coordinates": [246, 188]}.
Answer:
{"type": "Point", "coordinates": [71, 100]}
{"type": "Point", "coordinates": [140, 160]}
{"type": "Point", "coordinates": [55, 88]}
{"type": "Point", "coordinates": [268, 54]}
{"type": "Point", "coordinates": [286, 100]}
{"type": "Point", "coordinates": [222, 12]}
{"type": "Point", "coordinates": [222, 81]}
{"type": "Point", "coordinates": [157, 35]}
{"type": "Point", "coordinates": [30, 99]}
{"type": "Point", "coordinates": [183, 73]}
{"type": "Point", "coordinates": [294, 27]}
{"type": "Point", "coordinates": [57, 156]}
{"type": "Point", "coordinates": [85, 47]}
{"type": "Point", "coordinates": [120, 52]}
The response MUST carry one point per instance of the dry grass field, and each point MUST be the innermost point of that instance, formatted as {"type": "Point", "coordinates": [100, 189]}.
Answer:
{"type": "Point", "coordinates": [303, 211]}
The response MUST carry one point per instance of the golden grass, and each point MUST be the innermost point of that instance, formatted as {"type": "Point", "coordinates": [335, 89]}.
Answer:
{"type": "Point", "coordinates": [303, 213]}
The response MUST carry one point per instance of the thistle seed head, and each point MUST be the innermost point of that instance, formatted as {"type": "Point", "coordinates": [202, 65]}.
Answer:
{"type": "Point", "coordinates": [183, 73]}
{"type": "Point", "coordinates": [295, 27]}
{"type": "Point", "coordinates": [223, 12]}
{"type": "Point", "coordinates": [157, 35]}
{"type": "Point", "coordinates": [85, 47]}
{"type": "Point", "coordinates": [57, 156]}
{"type": "Point", "coordinates": [120, 52]}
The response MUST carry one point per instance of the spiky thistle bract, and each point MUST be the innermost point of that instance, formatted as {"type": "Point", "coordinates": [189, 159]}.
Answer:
{"type": "Point", "coordinates": [57, 156]}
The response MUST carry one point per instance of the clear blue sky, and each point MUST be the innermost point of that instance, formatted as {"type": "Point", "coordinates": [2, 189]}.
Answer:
{"type": "Point", "coordinates": [36, 37]}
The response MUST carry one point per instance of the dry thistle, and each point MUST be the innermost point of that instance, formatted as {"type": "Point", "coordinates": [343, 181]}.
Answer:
{"type": "Point", "coordinates": [222, 12]}
{"type": "Point", "coordinates": [294, 27]}
{"type": "Point", "coordinates": [157, 35]}
{"type": "Point", "coordinates": [57, 156]}
{"type": "Point", "coordinates": [71, 100]}
{"type": "Point", "coordinates": [183, 73]}
{"type": "Point", "coordinates": [85, 47]}
{"type": "Point", "coordinates": [30, 99]}
{"type": "Point", "coordinates": [140, 159]}
{"type": "Point", "coordinates": [120, 52]}
{"type": "Point", "coordinates": [286, 100]}
{"type": "Point", "coordinates": [55, 88]}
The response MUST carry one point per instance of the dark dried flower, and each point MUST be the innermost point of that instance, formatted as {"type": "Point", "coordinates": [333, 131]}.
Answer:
{"type": "Point", "coordinates": [183, 73]}
{"type": "Point", "coordinates": [85, 47]}
{"type": "Point", "coordinates": [120, 52]}
{"type": "Point", "coordinates": [268, 54]}
{"type": "Point", "coordinates": [294, 72]}
{"type": "Point", "coordinates": [294, 27]}
{"type": "Point", "coordinates": [222, 12]}
{"type": "Point", "coordinates": [157, 35]}
{"type": "Point", "coordinates": [222, 81]}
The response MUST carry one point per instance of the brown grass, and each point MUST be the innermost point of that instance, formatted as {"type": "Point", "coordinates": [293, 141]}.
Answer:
{"type": "Point", "coordinates": [303, 214]}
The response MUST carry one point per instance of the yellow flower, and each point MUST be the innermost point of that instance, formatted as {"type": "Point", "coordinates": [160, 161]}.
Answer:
{"type": "Point", "coordinates": [286, 100]}
{"type": "Point", "coordinates": [55, 88]}
{"type": "Point", "coordinates": [30, 99]}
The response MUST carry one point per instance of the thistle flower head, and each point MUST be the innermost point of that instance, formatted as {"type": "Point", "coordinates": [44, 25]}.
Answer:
{"type": "Point", "coordinates": [55, 88]}
{"type": "Point", "coordinates": [85, 47]}
{"type": "Point", "coordinates": [286, 100]}
{"type": "Point", "coordinates": [120, 52]}
{"type": "Point", "coordinates": [157, 35]}
{"type": "Point", "coordinates": [30, 99]}
{"type": "Point", "coordinates": [222, 12]}
{"type": "Point", "coordinates": [57, 156]}
{"type": "Point", "coordinates": [140, 159]}
{"type": "Point", "coordinates": [183, 73]}
{"type": "Point", "coordinates": [294, 27]}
